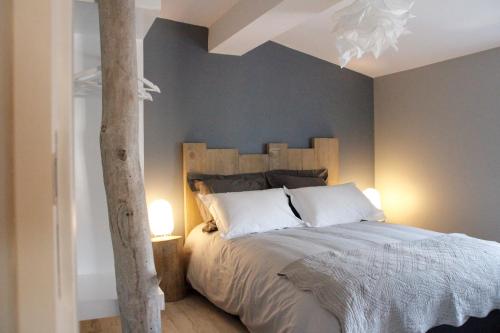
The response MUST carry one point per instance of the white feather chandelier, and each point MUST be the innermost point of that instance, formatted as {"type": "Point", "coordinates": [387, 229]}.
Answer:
{"type": "Point", "coordinates": [370, 26]}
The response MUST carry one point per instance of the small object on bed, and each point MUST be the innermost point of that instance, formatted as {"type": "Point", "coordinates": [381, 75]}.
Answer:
{"type": "Point", "coordinates": [327, 205]}
{"type": "Point", "coordinates": [210, 226]}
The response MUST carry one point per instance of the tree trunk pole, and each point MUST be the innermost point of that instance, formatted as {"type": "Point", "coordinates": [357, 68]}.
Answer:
{"type": "Point", "coordinates": [136, 280]}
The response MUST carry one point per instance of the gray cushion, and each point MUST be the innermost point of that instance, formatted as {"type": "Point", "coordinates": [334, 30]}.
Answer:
{"type": "Point", "coordinates": [279, 180]}
{"type": "Point", "coordinates": [231, 183]}
{"type": "Point", "coordinates": [319, 173]}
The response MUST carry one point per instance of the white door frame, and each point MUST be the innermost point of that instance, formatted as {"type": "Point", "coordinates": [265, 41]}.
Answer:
{"type": "Point", "coordinates": [43, 179]}
{"type": "Point", "coordinates": [63, 148]}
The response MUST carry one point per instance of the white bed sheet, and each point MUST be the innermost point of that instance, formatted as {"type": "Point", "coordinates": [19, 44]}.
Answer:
{"type": "Point", "coordinates": [240, 275]}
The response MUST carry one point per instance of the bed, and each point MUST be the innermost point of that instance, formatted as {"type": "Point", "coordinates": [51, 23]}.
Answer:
{"type": "Point", "coordinates": [241, 275]}
{"type": "Point", "coordinates": [219, 269]}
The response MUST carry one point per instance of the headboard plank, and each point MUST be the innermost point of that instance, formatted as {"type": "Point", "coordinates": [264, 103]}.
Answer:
{"type": "Point", "coordinates": [254, 163]}
{"type": "Point", "coordinates": [327, 156]}
{"type": "Point", "coordinates": [309, 159]}
{"type": "Point", "coordinates": [222, 161]}
{"type": "Point", "coordinates": [194, 159]}
{"type": "Point", "coordinates": [278, 156]}
{"type": "Point", "coordinates": [295, 159]}
{"type": "Point", "coordinates": [197, 158]}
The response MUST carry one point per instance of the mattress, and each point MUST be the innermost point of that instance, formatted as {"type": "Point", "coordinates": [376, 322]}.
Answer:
{"type": "Point", "coordinates": [240, 275]}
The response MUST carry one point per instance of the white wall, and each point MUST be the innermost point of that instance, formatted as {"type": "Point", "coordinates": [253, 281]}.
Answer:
{"type": "Point", "coordinates": [437, 145]}
{"type": "Point", "coordinates": [94, 252]}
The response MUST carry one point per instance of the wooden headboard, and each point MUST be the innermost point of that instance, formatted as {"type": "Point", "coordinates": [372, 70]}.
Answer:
{"type": "Point", "coordinates": [197, 158]}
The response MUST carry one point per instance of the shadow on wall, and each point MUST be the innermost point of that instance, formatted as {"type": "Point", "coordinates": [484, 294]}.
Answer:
{"type": "Point", "coordinates": [271, 94]}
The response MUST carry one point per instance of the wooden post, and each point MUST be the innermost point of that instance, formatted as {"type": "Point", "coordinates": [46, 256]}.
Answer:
{"type": "Point", "coordinates": [136, 280]}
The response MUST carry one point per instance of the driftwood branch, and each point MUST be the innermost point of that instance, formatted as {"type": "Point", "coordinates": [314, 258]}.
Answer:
{"type": "Point", "coordinates": [136, 280]}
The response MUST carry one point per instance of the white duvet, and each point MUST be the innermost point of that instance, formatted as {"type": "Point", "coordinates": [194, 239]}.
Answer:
{"type": "Point", "coordinates": [240, 275]}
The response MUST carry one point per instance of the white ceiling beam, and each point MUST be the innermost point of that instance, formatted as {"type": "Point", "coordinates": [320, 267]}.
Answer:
{"type": "Point", "coordinates": [251, 23]}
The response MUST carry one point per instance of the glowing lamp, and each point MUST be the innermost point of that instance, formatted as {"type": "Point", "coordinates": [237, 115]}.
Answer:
{"type": "Point", "coordinates": [374, 196]}
{"type": "Point", "coordinates": [161, 220]}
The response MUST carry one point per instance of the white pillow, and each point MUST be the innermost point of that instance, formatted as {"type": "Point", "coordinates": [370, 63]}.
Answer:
{"type": "Point", "coordinates": [321, 206]}
{"type": "Point", "coordinates": [241, 213]}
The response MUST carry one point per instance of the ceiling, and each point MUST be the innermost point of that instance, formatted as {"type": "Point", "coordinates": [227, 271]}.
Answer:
{"type": "Point", "coordinates": [442, 29]}
{"type": "Point", "coordinates": [86, 18]}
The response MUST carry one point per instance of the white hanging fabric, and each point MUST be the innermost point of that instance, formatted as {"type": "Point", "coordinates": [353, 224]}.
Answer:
{"type": "Point", "coordinates": [90, 79]}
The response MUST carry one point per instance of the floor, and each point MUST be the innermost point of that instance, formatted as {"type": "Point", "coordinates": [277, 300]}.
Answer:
{"type": "Point", "coordinates": [192, 314]}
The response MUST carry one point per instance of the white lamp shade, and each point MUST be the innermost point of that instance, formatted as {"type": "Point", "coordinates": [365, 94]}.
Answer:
{"type": "Point", "coordinates": [374, 196]}
{"type": "Point", "coordinates": [161, 220]}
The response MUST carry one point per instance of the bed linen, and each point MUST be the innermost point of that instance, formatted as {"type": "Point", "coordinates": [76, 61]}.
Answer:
{"type": "Point", "coordinates": [240, 275]}
{"type": "Point", "coordinates": [241, 213]}
{"type": "Point", "coordinates": [321, 206]}
{"type": "Point", "coordinates": [408, 286]}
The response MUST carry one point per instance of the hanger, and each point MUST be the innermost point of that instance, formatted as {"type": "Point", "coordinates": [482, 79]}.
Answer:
{"type": "Point", "coordinates": [89, 79]}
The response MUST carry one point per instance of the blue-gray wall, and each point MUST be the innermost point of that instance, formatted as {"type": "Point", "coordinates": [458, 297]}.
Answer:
{"type": "Point", "coordinates": [271, 94]}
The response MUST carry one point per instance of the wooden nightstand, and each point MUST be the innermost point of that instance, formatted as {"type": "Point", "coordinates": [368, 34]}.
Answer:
{"type": "Point", "coordinates": [169, 262]}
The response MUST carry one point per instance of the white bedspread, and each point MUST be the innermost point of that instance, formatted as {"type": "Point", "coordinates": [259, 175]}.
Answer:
{"type": "Point", "coordinates": [240, 275]}
{"type": "Point", "coordinates": [404, 286]}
